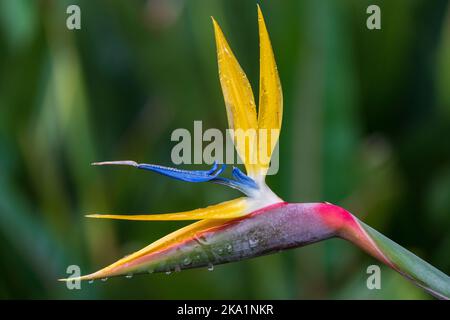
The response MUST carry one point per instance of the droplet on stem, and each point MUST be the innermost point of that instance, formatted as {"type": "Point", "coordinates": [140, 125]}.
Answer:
{"type": "Point", "coordinates": [253, 242]}
{"type": "Point", "coordinates": [187, 261]}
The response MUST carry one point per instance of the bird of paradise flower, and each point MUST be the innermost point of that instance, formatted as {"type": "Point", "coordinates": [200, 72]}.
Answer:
{"type": "Point", "coordinates": [259, 223]}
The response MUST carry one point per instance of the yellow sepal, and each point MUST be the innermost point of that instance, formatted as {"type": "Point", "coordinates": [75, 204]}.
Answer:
{"type": "Point", "coordinates": [128, 264]}
{"type": "Point", "coordinates": [254, 138]}
{"type": "Point", "coordinates": [225, 210]}
{"type": "Point", "coordinates": [270, 109]}
{"type": "Point", "coordinates": [239, 102]}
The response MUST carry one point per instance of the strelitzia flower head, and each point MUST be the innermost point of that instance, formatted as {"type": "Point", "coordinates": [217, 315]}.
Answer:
{"type": "Point", "coordinates": [260, 222]}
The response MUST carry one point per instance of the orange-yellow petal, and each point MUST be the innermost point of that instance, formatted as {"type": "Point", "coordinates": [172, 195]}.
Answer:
{"type": "Point", "coordinates": [270, 109]}
{"type": "Point", "coordinates": [225, 210]}
{"type": "Point", "coordinates": [239, 101]}
{"type": "Point", "coordinates": [130, 263]}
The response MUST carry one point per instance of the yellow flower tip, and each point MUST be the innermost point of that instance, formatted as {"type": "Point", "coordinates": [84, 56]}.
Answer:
{"type": "Point", "coordinates": [70, 279]}
{"type": "Point", "coordinates": [112, 216]}
{"type": "Point", "coordinates": [221, 41]}
{"type": "Point", "coordinates": [215, 24]}
{"type": "Point", "coordinates": [92, 215]}
{"type": "Point", "coordinates": [260, 15]}
{"type": "Point", "coordinates": [92, 276]}
{"type": "Point", "coordinates": [218, 33]}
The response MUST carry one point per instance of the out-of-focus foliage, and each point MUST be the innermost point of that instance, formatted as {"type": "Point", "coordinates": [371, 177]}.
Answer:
{"type": "Point", "coordinates": [366, 126]}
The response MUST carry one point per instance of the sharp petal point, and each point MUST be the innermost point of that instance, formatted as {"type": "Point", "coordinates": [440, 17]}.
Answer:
{"type": "Point", "coordinates": [125, 163]}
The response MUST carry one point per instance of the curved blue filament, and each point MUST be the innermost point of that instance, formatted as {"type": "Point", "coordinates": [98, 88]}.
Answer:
{"type": "Point", "coordinates": [242, 187]}
{"type": "Point", "coordinates": [241, 181]}
{"type": "Point", "coordinates": [243, 178]}
{"type": "Point", "coordinates": [185, 175]}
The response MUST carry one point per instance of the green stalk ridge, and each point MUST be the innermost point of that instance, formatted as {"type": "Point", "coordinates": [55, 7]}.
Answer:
{"type": "Point", "coordinates": [411, 266]}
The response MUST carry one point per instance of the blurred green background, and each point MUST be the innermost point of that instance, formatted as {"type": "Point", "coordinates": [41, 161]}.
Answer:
{"type": "Point", "coordinates": [366, 126]}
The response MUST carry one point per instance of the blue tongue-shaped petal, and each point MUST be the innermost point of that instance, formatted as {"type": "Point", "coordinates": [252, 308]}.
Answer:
{"type": "Point", "coordinates": [240, 182]}
{"type": "Point", "coordinates": [243, 178]}
{"type": "Point", "coordinates": [179, 174]}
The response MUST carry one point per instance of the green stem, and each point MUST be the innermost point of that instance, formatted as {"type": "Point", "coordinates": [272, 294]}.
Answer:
{"type": "Point", "coordinates": [409, 265]}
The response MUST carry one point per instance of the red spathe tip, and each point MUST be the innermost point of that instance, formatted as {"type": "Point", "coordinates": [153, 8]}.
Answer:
{"type": "Point", "coordinates": [348, 227]}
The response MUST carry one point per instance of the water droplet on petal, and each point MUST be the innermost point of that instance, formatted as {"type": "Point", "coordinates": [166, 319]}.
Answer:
{"type": "Point", "coordinates": [253, 242]}
{"type": "Point", "coordinates": [187, 261]}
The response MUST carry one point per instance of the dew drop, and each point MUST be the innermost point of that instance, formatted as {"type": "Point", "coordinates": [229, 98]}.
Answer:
{"type": "Point", "coordinates": [187, 261]}
{"type": "Point", "coordinates": [168, 272]}
{"type": "Point", "coordinates": [229, 248]}
{"type": "Point", "coordinates": [104, 279]}
{"type": "Point", "coordinates": [129, 276]}
{"type": "Point", "coordinates": [91, 281]}
{"type": "Point", "coordinates": [201, 240]}
{"type": "Point", "coordinates": [253, 242]}
{"type": "Point", "coordinates": [210, 267]}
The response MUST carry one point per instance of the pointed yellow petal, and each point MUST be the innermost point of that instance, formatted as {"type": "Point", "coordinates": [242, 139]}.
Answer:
{"type": "Point", "coordinates": [154, 254]}
{"type": "Point", "coordinates": [225, 210]}
{"type": "Point", "coordinates": [239, 101]}
{"type": "Point", "coordinates": [133, 263]}
{"type": "Point", "coordinates": [270, 110]}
